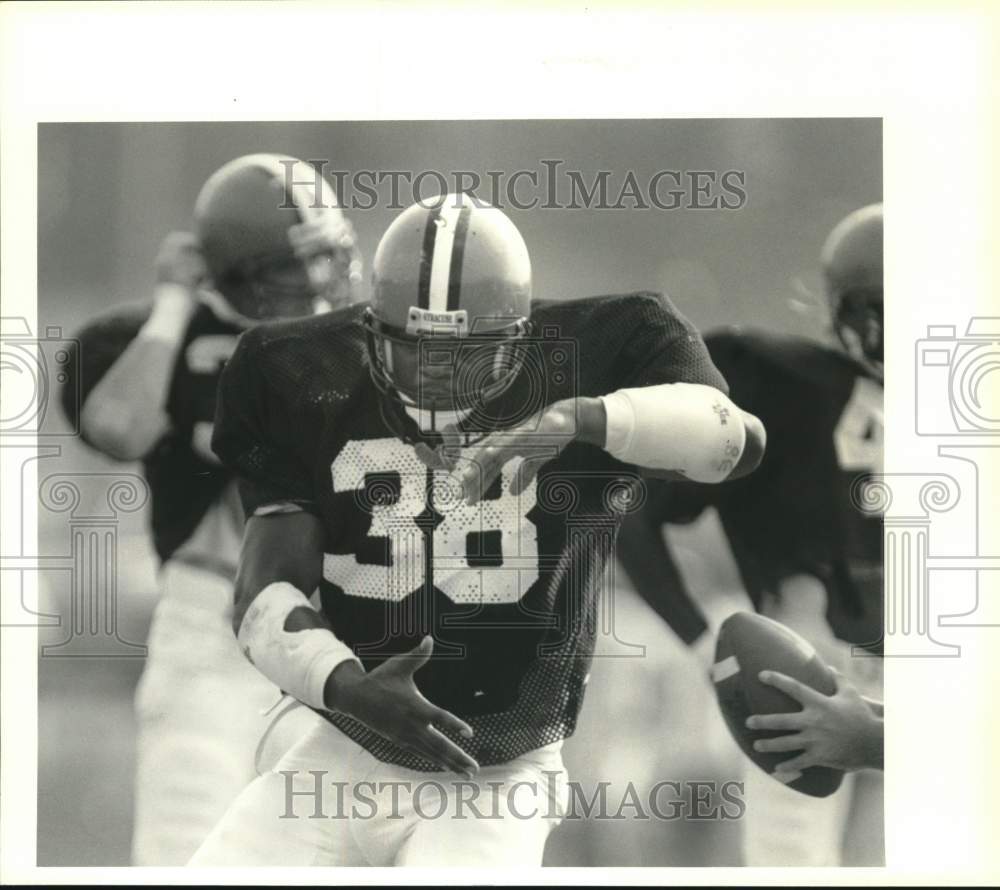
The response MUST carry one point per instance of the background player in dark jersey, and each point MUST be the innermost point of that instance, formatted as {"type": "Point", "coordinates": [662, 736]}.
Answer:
{"type": "Point", "coordinates": [805, 554]}
{"type": "Point", "coordinates": [448, 467]}
{"type": "Point", "coordinates": [149, 378]}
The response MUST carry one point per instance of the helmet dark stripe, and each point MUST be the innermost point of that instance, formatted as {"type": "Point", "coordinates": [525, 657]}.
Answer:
{"type": "Point", "coordinates": [427, 257]}
{"type": "Point", "coordinates": [457, 255]}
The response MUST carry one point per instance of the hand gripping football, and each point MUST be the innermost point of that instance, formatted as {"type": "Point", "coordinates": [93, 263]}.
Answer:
{"type": "Point", "coordinates": [748, 644]}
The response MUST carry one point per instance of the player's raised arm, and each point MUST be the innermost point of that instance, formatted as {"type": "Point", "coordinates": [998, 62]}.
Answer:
{"type": "Point", "coordinates": [672, 412]}
{"type": "Point", "coordinates": [669, 414]}
{"type": "Point", "coordinates": [125, 414]}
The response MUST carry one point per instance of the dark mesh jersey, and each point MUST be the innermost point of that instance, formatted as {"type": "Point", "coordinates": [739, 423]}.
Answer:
{"type": "Point", "coordinates": [185, 479]}
{"type": "Point", "coordinates": [794, 514]}
{"type": "Point", "coordinates": [509, 587]}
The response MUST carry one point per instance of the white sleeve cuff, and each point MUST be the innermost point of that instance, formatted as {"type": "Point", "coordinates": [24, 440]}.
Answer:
{"type": "Point", "coordinates": [299, 662]}
{"type": "Point", "coordinates": [689, 428]}
{"type": "Point", "coordinates": [319, 672]}
{"type": "Point", "coordinates": [620, 422]}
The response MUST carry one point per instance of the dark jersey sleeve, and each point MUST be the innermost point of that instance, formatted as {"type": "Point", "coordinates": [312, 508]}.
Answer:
{"type": "Point", "coordinates": [637, 340]}
{"type": "Point", "coordinates": [757, 527]}
{"type": "Point", "coordinates": [649, 562]}
{"type": "Point", "coordinates": [96, 347]}
{"type": "Point", "coordinates": [786, 518]}
{"type": "Point", "coordinates": [737, 363]}
{"type": "Point", "coordinates": [661, 346]}
{"type": "Point", "coordinates": [258, 432]}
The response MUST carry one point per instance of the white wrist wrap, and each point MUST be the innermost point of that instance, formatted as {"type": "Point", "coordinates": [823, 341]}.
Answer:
{"type": "Point", "coordinates": [300, 661]}
{"type": "Point", "coordinates": [687, 427]}
{"type": "Point", "coordinates": [172, 311]}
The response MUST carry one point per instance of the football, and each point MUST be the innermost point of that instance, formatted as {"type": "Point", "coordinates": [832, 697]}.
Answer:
{"type": "Point", "coordinates": [748, 644]}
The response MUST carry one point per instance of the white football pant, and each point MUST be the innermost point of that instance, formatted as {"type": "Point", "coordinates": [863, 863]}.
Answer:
{"type": "Point", "coordinates": [200, 709]}
{"type": "Point", "coordinates": [328, 802]}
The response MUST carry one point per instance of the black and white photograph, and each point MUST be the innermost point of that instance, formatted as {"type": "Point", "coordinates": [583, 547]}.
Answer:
{"type": "Point", "coordinates": [489, 494]}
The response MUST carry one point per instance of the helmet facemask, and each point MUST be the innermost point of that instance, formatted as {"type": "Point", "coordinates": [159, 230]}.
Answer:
{"type": "Point", "coordinates": [448, 322]}
{"type": "Point", "coordinates": [286, 286]}
{"type": "Point", "coordinates": [447, 370]}
{"type": "Point", "coordinates": [852, 270]}
{"type": "Point", "coordinates": [858, 322]}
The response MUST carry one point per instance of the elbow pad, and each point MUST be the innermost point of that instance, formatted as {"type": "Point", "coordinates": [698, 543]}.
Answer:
{"type": "Point", "coordinates": [690, 428]}
{"type": "Point", "coordinates": [299, 661]}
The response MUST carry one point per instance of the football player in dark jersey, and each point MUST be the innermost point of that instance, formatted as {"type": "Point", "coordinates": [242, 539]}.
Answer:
{"type": "Point", "coordinates": [447, 467]}
{"type": "Point", "coordinates": [149, 378]}
{"type": "Point", "coordinates": [805, 554]}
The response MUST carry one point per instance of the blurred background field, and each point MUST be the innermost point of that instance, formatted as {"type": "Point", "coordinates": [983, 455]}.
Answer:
{"type": "Point", "coordinates": [109, 192]}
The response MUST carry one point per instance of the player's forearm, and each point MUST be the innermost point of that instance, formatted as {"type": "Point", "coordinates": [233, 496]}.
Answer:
{"type": "Point", "coordinates": [282, 547]}
{"type": "Point", "coordinates": [125, 414]}
{"type": "Point", "coordinates": [690, 429]}
{"type": "Point", "coordinates": [278, 629]}
{"type": "Point", "coordinates": [591, 421]}
{"type": "Point", "coordinates": [340, 692]}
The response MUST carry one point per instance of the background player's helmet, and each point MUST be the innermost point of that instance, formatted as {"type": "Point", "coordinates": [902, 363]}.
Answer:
{"type": "Point", "coordinates": [852, 271]}
{"type": "Point", "coordinates": [451, 301]}
{"type": "Point", "coordinates": [242, 219]}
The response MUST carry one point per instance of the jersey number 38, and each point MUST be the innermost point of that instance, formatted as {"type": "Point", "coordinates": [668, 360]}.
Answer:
{"type": "Point", "coordinates": [485, 553]}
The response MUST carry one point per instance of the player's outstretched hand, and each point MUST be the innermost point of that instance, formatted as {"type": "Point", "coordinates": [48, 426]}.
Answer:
{"type": "Point", "coordinates": [538, 440]}
{"type": "Point", "coordinates": [387, 701]}
{"type": "Point", "coordinates": [841, 730]}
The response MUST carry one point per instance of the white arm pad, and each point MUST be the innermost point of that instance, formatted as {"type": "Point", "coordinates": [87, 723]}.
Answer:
{"type": "Point", "coordinates": [687, 427]}
{"type": "Point", "coordinates": [300, 661]}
